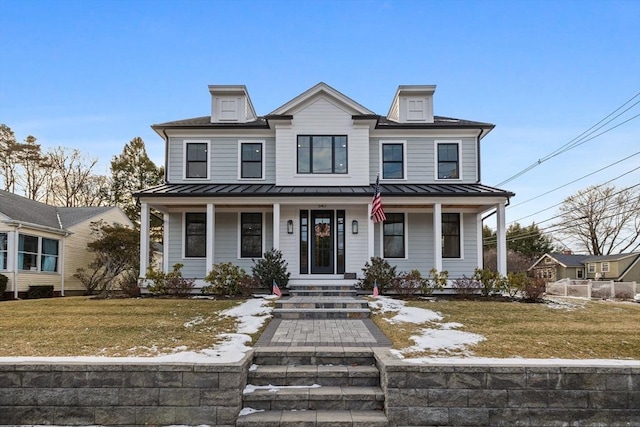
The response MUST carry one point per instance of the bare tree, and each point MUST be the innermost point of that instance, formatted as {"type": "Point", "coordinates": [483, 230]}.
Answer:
{"type": "Point", "coordinates": [70, 174]}
{"type": "Point", "coordinates": [35, 168]}
{"type": "Point", "coordinates": [9, 148]}
{"type": "Point", "coordinates": [602, 219]}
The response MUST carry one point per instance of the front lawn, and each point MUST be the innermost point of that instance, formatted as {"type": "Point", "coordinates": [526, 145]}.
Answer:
{"type": "Point", "coordinates": [562, 328]}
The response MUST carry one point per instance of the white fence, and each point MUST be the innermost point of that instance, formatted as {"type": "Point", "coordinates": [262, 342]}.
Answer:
{"type": "Point", "coordinates": [593, 289]}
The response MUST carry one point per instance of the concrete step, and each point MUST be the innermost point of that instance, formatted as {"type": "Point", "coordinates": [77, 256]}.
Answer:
{"type": "Point", "coordinates": [297, 356]}
{"type": "Point", "coordinates": [321, 302]}
{"type": "Point", "coordinates": [321, 287]}
{"type": "Point", "coordinates": [325, 375]}
{"type": "Point", "coordinates": [323, 293]}
{"type": "Point", "coordinates": [317, 398]}
{"type": "Point", "coordinates": [320, 418]}
{"type": "Point", "coordinates": [321, 313]}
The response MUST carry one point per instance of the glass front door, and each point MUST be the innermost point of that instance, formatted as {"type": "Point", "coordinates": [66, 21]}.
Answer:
{"type": "Point", "coordinates": [322, 238]}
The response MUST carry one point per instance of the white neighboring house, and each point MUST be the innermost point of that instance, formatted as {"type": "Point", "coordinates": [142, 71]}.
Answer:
{"type": "Point", "coordinates": [44, 245]}
{"type": "Point", "coordinates": [301, 179]}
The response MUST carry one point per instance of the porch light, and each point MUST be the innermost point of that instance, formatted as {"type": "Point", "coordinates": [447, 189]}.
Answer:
{"type": "Point", "coordinates": [354, 226]}
{"type": "Point", "coordinates": [290, 226]}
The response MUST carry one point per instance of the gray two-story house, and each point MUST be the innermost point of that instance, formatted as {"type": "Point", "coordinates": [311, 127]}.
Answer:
{"type": "Point", "coordinates": [301, 179]}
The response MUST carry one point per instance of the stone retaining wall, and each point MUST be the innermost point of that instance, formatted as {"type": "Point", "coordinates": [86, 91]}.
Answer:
{"type": "Point", "coordinates": [529, 395]}
{"type": "Point", "coordinates": [122, 394]}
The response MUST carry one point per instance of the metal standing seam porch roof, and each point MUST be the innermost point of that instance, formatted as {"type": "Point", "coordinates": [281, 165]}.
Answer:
{"type": "Point", "coordinates": [272, 190]}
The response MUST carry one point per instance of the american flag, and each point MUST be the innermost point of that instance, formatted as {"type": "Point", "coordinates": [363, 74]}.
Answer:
{"type": "Point", "coordinates": [376, 292]}
{"type": "Point", "coordinates": [276, 289]}
{"type": "Point", "coordinates": [377, 213]}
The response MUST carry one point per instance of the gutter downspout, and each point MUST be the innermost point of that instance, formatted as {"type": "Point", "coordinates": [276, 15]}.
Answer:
{"type": "Point", "coordinates": [478, 154]}
{"type": "Point", "coordinates": [166, 155]}
{"type": "Point", "coordinates": [62, 263]}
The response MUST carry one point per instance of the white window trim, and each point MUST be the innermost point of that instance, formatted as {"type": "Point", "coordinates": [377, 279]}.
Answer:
{"type": "Point", "coordinates": [406, 237]}
{"type": "Point", "coordinates": [591, 268]}
{"type": "Point", "coordinates": [404, 159]}
{"type": "Point", "coordinates": [239, 233]}
{"type": "Point", "coordinates": [184, 158]}
{"type": "Point", "coordinates": [264, 157]}
{"type": "Point", "coordinates": [39, 255]}
{"type": "Point", "coordinates": [184, 233]}
{"type": "Point", "coordinates": [435, 158]}
{"type": "Point", "coordinates": [603, 265]}
{"type": "Point", "coordinates": [461, 216]}
{"type": "Point", "coordinates": [6, 253]}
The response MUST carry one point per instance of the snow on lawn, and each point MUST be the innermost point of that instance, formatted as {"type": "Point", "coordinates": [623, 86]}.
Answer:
{"type": "Point", "coordinates": [438, 337]}
{"type": "Point", "coordinates": [251, 315]}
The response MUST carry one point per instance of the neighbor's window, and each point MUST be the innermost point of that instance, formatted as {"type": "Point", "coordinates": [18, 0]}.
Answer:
{"type": "Point", "coordinates": [251, 160]}
{"type": "Point", "coordinates": [322, 154]}
{"type": "Point", "coordinates": [3, 251]}
{"type": "Point", "coordinates": [605, 267]}
{"type": "Point", "coordinates": [251, 235]}
{"type": "Point", "coordinates": [49, 258]}
{"type": "Point", "coordinates": [451, 235]}
{"type": "Point", "coordinates": [195, 235]}
{"type": "Point", "coordinates": [579, 273]}
{"type": "Point", "coordinates": [591, 268]}
{"type": "Point", "coordinates": [196, 160]}
{"type": "Point", "coordinates": [393, 161]}
{"type": "Point", "coordinates": [448, 161]}
{"type": "Point", "coordinates": [393, 232]}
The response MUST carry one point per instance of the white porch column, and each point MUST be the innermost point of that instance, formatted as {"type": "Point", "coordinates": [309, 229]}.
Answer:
{"type": "Point", "coordinates": [144, 239]}
{"type": "Point", "coordinates": [276, 226]}
{"type": "Point", "coordinates": [437, 236]}
{"type": "Point", "coordinates": [480, 244]}
{"type": "Point", "coordinates": [165, 242]}
{"type": "Point", "coordinates": [61, 262]}
{"type": "Point", "coordinates": [211, 235]}
{"type": "Point", "coordinates": [501, 235]}
{"type": "Point", "coordinates": [370, 233]}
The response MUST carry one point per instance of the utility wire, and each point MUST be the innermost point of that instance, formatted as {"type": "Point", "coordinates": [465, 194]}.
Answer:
{"type": "Point", "coordinates": [580, 139]}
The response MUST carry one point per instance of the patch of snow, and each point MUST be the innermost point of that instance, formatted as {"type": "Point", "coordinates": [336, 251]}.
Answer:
{"type": "Point", "coordinates": [249, 411]}
{"type": "Point", "coordinates": [517, 361]}
{"type": "Point", "coordinates": [195, 321]}
{"type": "Point", "coordinates": [439, 339]}
{"type": "Point", "coordinates": [562, 304]}
{"type": "Point", "coordinates": [405, 314]}
{"type": "Point", "coordinates": [451, 325]}
{"type": "Point", "coordinates": [250, 388]}
{"type": "Point", "coordinates": [253, 367]}
{"type": "Point", "coordinates": [251, 314]}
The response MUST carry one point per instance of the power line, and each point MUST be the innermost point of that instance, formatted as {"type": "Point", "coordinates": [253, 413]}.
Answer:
{"type": "Point", "coordinates": [580, 139]}
{"type": "Point", "coordinates": [575, 180]}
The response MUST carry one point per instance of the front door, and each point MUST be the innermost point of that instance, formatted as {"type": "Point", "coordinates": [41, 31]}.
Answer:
{"type": "Point", "coordinates": [322, 242]}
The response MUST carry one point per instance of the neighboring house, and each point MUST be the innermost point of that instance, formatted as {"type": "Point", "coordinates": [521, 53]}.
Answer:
{"type": "Point", "coordinates": [620, 268]}
{"type": "Point", "coordinates": [44, 245]}
{"type": "Point", "coordinates": [301, 179]}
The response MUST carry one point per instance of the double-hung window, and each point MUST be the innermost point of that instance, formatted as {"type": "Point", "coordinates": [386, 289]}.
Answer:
{"type": "Point", "coordinates": [393, 160]}
{"type": "Point", "coordinates": [49, 257]}
{"type": "Point", "coordinates": [196, 159]}
{"type": "Point", "coordinates": [451, 235]}
{"type": "Point", "coordinates": [393, 230]}
{"type": "Point", "coordinates": [591, 268]}
{"type": "Point", "coordinates": [448, 160]}
{"type": "Point", "coordinates": [195, 235]}
{"type": "Point", "coordinates": [251, 160]}
{"type": "Point", "coordinates": [3, 250]}
{"type": "Point", "coordinates": [28, 252]}
{"type": "Point", "coordinates": [605, 267]}
{"type": "Point", "coordinates": [251, 235]}
{"type": "Point", "coordinates": [37, 253]}
{"type": "Point", "coordinates": [322, 154]}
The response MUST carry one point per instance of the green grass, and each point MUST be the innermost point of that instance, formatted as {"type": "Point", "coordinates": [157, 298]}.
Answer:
{"type": "Point", "coordinates": [588, 330]}
{"type": "Point", "coordinates": [80, 326]}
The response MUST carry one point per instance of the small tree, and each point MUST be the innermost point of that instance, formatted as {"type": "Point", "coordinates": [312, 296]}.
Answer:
{"type": "Point", "coordinates": [377, 270]}
{"type": "Point", "coordinates": [271, 268]}
{"type": "Point", "coordinates": [117, 250]}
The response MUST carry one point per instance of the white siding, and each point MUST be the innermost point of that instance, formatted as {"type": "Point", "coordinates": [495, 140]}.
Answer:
{"type": "Point", "coordinates": [322, 117]}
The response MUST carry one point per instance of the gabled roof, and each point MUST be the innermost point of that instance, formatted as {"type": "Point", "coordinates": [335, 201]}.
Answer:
{"type": "Point", "coordinates": [22, 210]}
{"type": "Point", "coordinates": [315, 90]}
{"type": "Point", "coordinates": [272, 190]}
{"type": "Point", "coordinates": [580, 260]}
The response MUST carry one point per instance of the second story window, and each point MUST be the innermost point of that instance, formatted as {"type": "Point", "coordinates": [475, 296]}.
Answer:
{"type": "Point", "coordinates": [195, 235]}
{"type": "Point", "coordinates": [322, 154]}
{"type": "Point", "coordinates": [393, 160]}
{"type": "Point", "coordinates": [448, 161]}
{"type": "Point", "coordinates": [196, 160]}
{"type": "Point", "coordinates": [251, 160]}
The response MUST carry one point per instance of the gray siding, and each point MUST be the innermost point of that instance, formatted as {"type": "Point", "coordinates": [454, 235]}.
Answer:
{"type": "Point", "coordinates": [421, 159]}
{"type": "Point", "coordinates": [223, 160]}
{"type": "Point", "coordinates": [466, 266]}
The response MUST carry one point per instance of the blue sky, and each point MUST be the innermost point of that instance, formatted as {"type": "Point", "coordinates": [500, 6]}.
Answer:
{"type": "Point", "coordinates": [95, 74]}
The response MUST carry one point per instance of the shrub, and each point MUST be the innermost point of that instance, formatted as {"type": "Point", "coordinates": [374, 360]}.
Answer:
{"type": "Point", "coordinates": [269, 268]}
{"type": "Point", "coordinates": [379, 270]}
{"type": "Point", "coordinates": [465, 286]}
{"type": "Point", "coordinates": [515, 283]}
{"type": "Point", "coordinates": [40, 291]}
{"type": "Point", "coordinates": [171, 284]}
{"type": "Point", "coordinates": [129, 285]}
{"type": "Point", "coordinates": [490, 281]}
{"type": "Point", "coordinates": [3, 284]}
{"type": "Point", "coordinates": [226, 280]}
{"type": "Point", "coordinates": [408, 283]}
{"type": "Point", "coordinates": [533, 289]}
{"type": "Point", "coordinates": [436, 280]}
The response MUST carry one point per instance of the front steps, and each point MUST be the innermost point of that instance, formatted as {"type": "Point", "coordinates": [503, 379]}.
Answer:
{"type": "Point", "coordinates": [322, 301]}
{"type": "Point", "coordinates": [313, 387]}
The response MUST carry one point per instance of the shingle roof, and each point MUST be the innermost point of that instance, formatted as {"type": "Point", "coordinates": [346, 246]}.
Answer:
{"type": "Point", "coordinates": [439, 122]}
{"type": "Point", "coordinates": [22, 209]}
{"type": "Point", "coordinates": [579, 260]}
{"type": "Point", "coordinates": [205, 122]}
{"type": "Point", "coordinates": [262, 190]}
